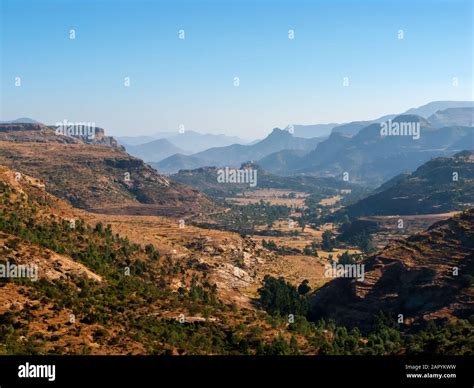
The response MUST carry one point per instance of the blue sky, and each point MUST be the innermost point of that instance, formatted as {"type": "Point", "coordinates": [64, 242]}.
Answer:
{"type": "Point", "coordinates": [190, 82]}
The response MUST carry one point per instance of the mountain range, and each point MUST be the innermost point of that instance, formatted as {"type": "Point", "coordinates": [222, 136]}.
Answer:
{"type": "Point", "coordinates": [236, 154]}
{"type": "Point", "coordinates": [188, 142]}
{"type": "Point", "coordinates": [351, 128]}
{"type": "Point", "coordinates": [371, 157]}
{"type": "Point", "coordinates": [356, 148]}
{"type": "Point", "coordinates": [154, 151]}
{"type": "Point", "coordinates": [424, 111]}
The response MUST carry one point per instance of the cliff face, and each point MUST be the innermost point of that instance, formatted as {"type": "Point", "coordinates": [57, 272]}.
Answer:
{"type": "Point", "coordinates": [33, 132]}
{"type": "Point", "coordinates": [101, 139]}
{"type": "Point", "coordinates": [39, 133]}
{"type": "Point", "coordinates": [427, 276]}
{"type": "Point", "coordinates": [95, 173]}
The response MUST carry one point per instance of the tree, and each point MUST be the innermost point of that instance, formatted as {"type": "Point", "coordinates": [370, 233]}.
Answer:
{"type": "Point", "coordinates": [304, 287]}
{"type": "Point", "coordinates": [294, 348]}
{"type": "Point", "coordinates": [99, 228]}
{"type": "Point", "coordinates": [328, 241]}
{"type": "Point", "coordinates": [346, 258]}
{"type": "Point", "coordinates": [364, 241]}
{"type": "Point", "coordinates": [279, 297]}
{"type": "Point", "coordinates": [330, 259]}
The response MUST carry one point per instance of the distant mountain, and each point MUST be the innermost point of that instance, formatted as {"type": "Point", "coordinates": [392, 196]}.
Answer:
{"type": "Point", "coordinates": [178, 162]}
{"type": "Point", "coordinates": [316, 130]}
{"type": "Point", "coordinates": [351, 128]}
{"type": "Point", "coordinates": [431, 188]}
{"type": "Point", "coordinates": [236, 154]}
{"type": "Point", "coordinates": [194, 142]}
{"type": "Point", "coordinates": [453, 116]}
{"type": "Point", "coordinates": [372, 158]}
{"type": "Point", "coordinates": [412, 277]}
{"type": "Point", "coordinates": [465, 142]}
{"type": "Point", "coordinates": [282, 162]}
{"type": "Point", "coordinates": [289, 162]}
{"type": "Point", "coordinates": [392, 182]}
{"type": "Point", "coordinates": [432, 107]}
{"type": "Point", "coordinates": [21, 120]}
{"type": "Point", "coordinates": [153, 151]}
{"type": "Point", "coordinates": [134, 140]}
{"type": "Point", "coordinates": [189, 142]}
{"type": "Point", "coordinates": [424, 111]}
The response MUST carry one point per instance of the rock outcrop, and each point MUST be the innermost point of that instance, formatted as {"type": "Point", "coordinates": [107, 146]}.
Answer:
{"type": "Point", "coordinates": [426, 276]}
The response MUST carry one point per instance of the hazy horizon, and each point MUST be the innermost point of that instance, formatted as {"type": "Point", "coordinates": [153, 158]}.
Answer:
{"type": "Point", "coordinates": [291, 60]}
{"type": "Point", "coordinates": [263, 134]}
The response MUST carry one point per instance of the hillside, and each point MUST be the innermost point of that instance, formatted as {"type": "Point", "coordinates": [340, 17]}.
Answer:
{"type": "Point", "coordinates": [282, 162]}
{"type": "Point", "coordinates": [205, 180]}
{"type": "Point", "coordinates": [178, 162]}
{"type": "Point", "coordinates": [138, 285]}
{"type": "Point", "coordinates": [429, 189]}
{"type": "Point", "coordinates": [413, 277]}
{"type": "Point", "coordinates": [95, 177]}
{"type": "Point", "coordinates": [84, 300]}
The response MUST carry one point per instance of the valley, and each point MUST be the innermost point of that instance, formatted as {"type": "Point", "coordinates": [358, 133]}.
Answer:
{"type": "Point", "coordinates": [131, 261]}
{"type": "Point", "coordinates": [272, 191]}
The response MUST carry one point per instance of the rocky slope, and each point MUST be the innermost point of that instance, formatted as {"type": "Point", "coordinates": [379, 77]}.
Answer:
{"type": "Point", "coordinates": [84, 301]}
{"type": "Point", "coordinates": [413, 277]}
{"type": "Point", "coordinates": [99, 177]}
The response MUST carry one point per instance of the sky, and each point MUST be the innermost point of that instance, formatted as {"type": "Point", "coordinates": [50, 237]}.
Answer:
{"type": "Point", "coordinates": [236, 71]}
